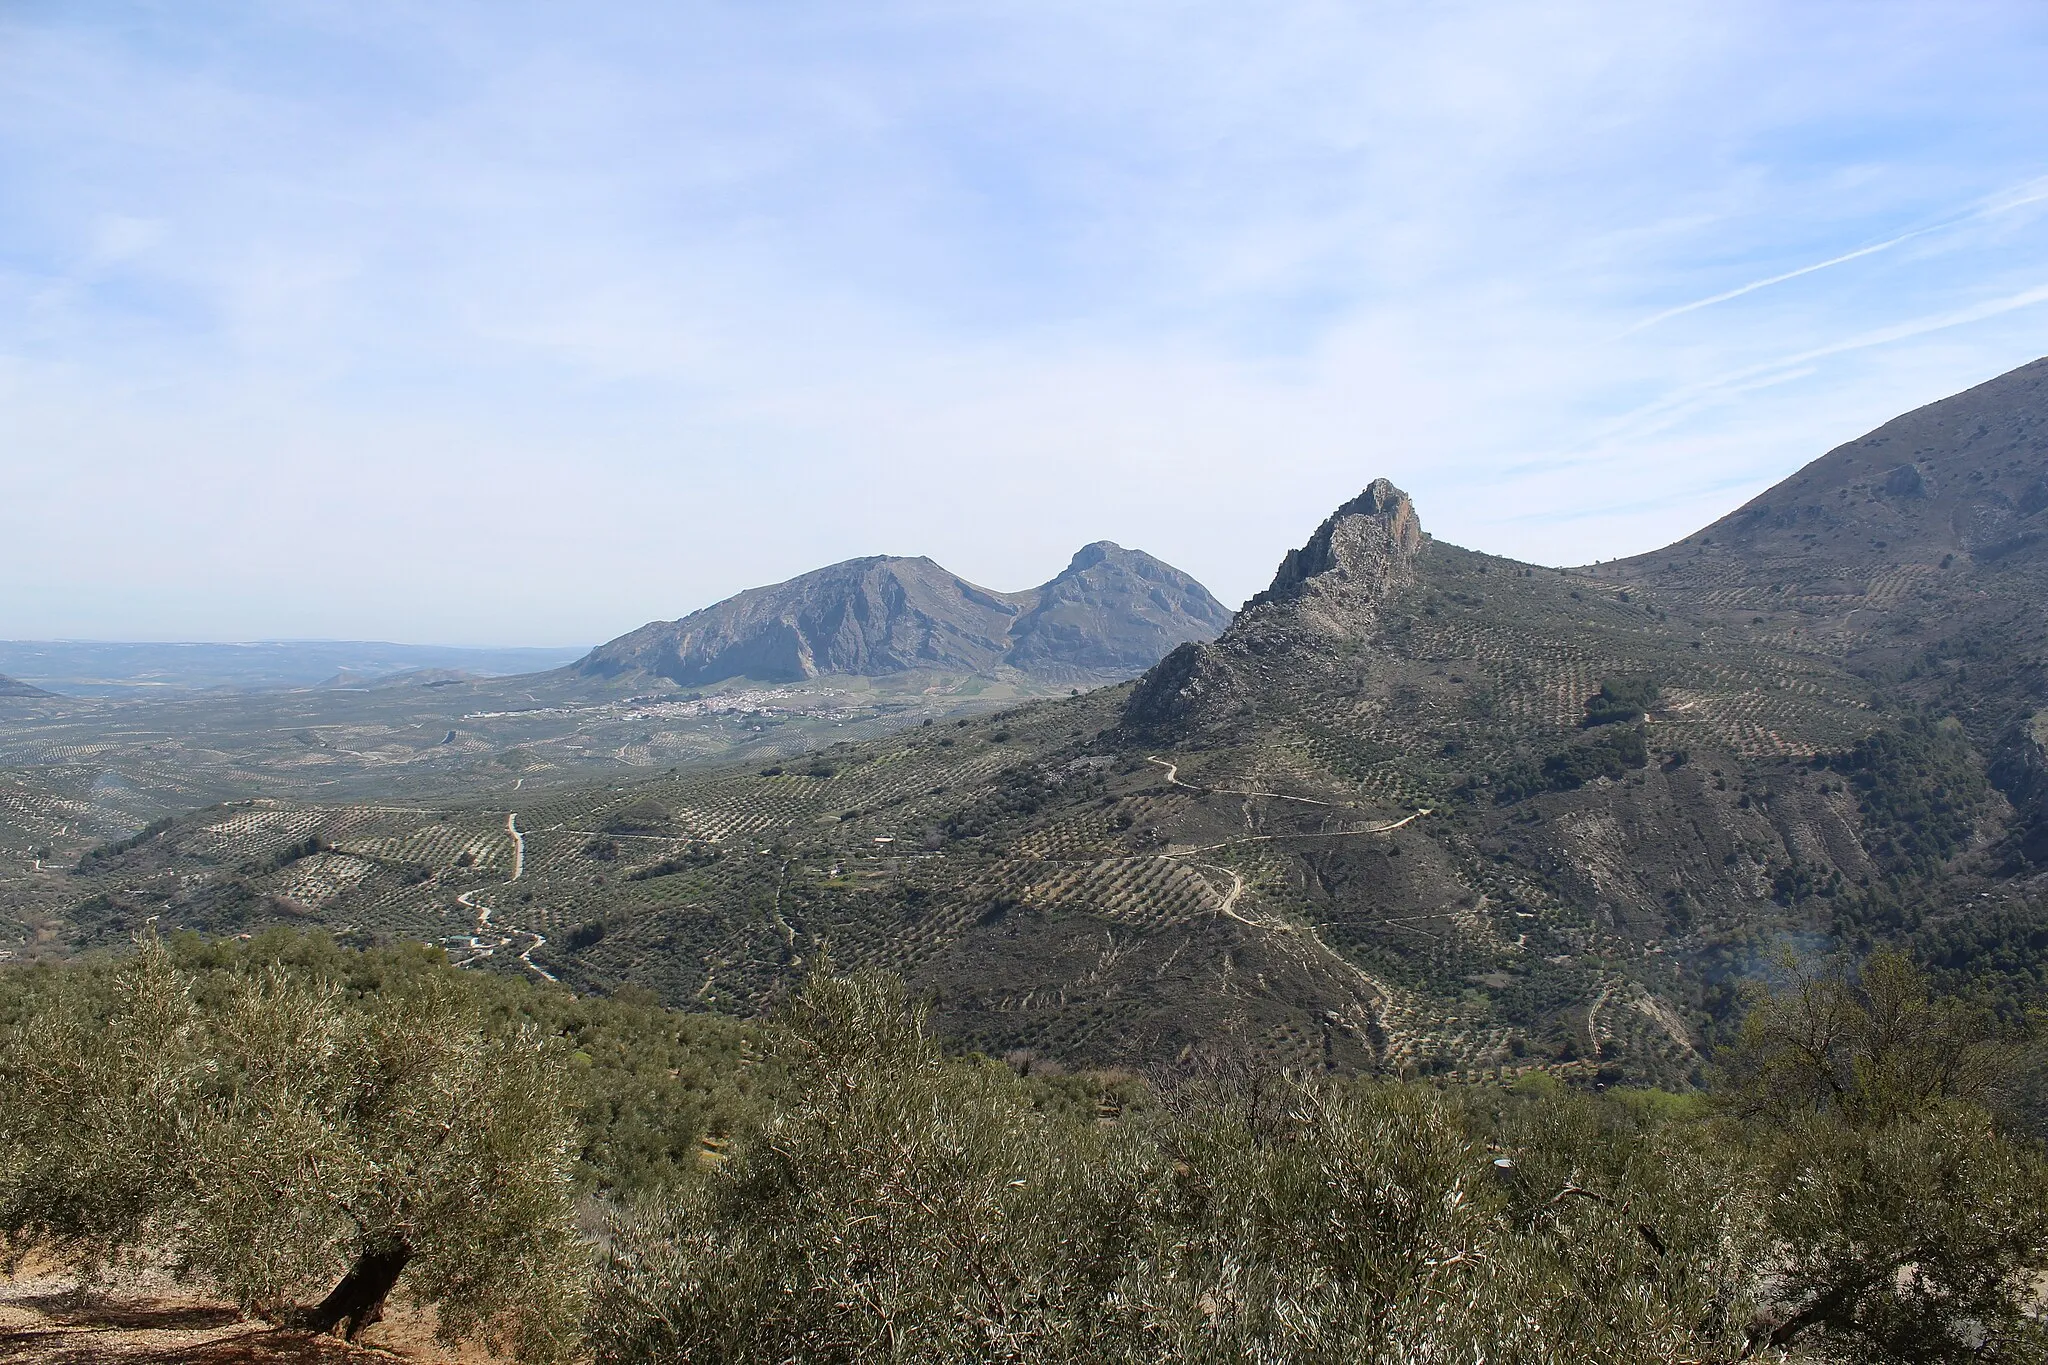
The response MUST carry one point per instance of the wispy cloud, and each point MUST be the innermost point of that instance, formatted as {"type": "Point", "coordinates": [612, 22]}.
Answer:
{"type": "Point", "coordinates": [495, 323]}
{"type": "Point", "coordinates": [2031, 192]}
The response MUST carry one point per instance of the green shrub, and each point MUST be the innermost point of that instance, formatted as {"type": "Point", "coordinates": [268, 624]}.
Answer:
{"type": "Point", "coordinates": [640, 817]}
{"type": "Point", "coordinates": [1621, 700]}
{"type": "Point", "coordinates": [1919, 791]}
{"type": "Point", "coordinates": [912, 1207]}
{"type": "Point", "coordinates": [1613, 755]}
{"type": "Point", "coordinates": [906, 1207]}
{"type": "Point", "coordinates": [1915, 1230]}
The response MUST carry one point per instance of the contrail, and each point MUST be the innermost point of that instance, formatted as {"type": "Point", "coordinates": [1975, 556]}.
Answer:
{"type": "Point", "coordinates": [1665, 411]}
{"type": "Point", "coordinates": [2029, 192]}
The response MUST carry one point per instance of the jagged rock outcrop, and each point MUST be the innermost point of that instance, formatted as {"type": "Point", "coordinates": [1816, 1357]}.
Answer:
{"type": "Point", "coordinates": [1333, 587]}
{"type": "Point", "coordinates": [1191, 687]}
{"type": "Point", "coordinates": [1111, 613]}
{"type": "Point", "coordinates": [1361, 552]}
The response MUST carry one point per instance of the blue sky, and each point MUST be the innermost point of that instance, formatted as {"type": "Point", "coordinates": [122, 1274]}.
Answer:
{"type": "Point", "coordinates": [521, 323]}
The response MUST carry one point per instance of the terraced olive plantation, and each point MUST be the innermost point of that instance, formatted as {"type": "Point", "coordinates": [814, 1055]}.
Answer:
{"type": "Point", "coordinates": [1337, 878]}
{"type": "Point", "coordinates": [1417, 809]}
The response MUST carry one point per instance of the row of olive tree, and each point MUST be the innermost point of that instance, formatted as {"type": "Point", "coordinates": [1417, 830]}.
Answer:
{"type": "Point", "coordinates": [277, 1138]}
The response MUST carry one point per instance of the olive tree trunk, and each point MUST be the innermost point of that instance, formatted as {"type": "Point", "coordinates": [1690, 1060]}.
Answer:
{"type": "Point", "coordinates": [358, 1300]}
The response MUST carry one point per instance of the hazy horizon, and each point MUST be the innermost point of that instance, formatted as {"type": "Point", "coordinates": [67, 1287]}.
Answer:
{"type": "Point", "coordinates": [476, 325]}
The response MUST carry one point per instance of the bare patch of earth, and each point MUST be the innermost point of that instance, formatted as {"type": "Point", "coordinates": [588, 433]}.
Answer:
{"type": "Point", "coordinates": [45, 1320]}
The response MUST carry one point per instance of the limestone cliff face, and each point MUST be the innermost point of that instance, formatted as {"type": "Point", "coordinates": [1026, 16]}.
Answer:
{"type": "Point", "coordinates": [1332, 588]}
{"type": "Point", "coordinates": [1336, 583]}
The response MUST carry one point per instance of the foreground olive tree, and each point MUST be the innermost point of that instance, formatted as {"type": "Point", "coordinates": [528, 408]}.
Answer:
{"type": "Point", "coordinates": [1911, 1225]}
{"type": "Point", "coordinates": [907, 1207]}
{"type": "Point", "coordinates": [276, 1138]}
{"type": "Point", "coordinates": [911, 1207]}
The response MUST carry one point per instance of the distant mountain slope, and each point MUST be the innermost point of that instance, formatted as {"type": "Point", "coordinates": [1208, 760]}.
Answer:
{"type": "Point", "coordinates": [1111, 613]}
{"type": "Point", "coordinates": [1368, 827]}
{"type": "Point", "coordinates": [1966, 476]}
{"type": "Point", "coordinates": [10, 687]}
{"type": "Point", "coordinates": [1931, 528]}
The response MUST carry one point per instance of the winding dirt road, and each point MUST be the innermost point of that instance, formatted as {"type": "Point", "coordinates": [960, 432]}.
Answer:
{"type": "Point", "coordinates": [467, 900]}
{"type": "Point", "coordinates": [1173, 778]}
{"type": "Point", "coordinates": [1308, 942]}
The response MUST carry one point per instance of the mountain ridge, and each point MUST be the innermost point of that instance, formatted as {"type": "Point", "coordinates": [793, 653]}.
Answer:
{"type": "Point", "coordinates": [1109, 614]}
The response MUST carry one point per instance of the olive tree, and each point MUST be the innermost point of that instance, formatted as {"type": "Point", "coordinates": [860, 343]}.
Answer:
{"type": "Point", "coordinates": [914, 1207]}
{"type": "Point", "coordinates": [277, 1138]}
{"type": "Point", "coordinates": [1913, 1227]}
{"type": "Point", "coordinates": [907, 1207]}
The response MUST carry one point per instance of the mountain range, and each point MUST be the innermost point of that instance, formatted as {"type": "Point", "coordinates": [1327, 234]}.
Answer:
{"type": "Point", "coordinates": [1415, 808]}
{"type": "Point", "coordinates": [1110, 613]}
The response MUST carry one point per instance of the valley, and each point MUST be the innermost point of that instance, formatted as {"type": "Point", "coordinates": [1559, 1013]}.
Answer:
{"type": "Point", "coordinates": [81, 771]}
{"type": "Point", "coordinates": [132, 733]}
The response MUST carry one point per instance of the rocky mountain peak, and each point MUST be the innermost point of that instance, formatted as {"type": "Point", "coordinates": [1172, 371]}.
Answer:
{"type": "Point", "coordinates": [1333, 587]}
{"type": "Point", "coordinates": [1088, 556]}
{"type": "Point", "coordinates": [1369, 542]}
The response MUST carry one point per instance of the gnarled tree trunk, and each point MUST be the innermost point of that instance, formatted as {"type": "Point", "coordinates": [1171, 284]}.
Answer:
{"type": "Point", "coordinates": [358, 1300]}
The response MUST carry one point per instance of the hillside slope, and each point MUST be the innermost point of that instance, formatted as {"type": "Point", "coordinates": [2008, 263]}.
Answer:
{"type": "Point", "coordinates": [1916, 556]}
{"type": "Point", "coordinates": [1337, 830]}
{"type": "Point", "coordinates": [1417, 808]}
{"type": "Point", "coordinates": [1111, 613]}
{"type": "Point", "coordinates": [11, 687]}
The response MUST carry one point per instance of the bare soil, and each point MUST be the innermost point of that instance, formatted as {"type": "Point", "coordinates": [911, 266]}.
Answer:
{"type": "Point", "coordinates": [45, 1320]}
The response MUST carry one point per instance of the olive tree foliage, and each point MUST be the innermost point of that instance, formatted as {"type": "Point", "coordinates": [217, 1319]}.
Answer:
{"type": "Point", "coordinates": [1374, 1224]}
{"type": "Point", "coordinates": [1870, 1049]}
{"type": "Point", "coordinates": [915, 1208]}
{"type": "Point", "coordinates": [907, 1207]}
{"type": "Point", "coordinates": [273, 1137]}
{"type": "Point", "coordinates": [1910, 1225]}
